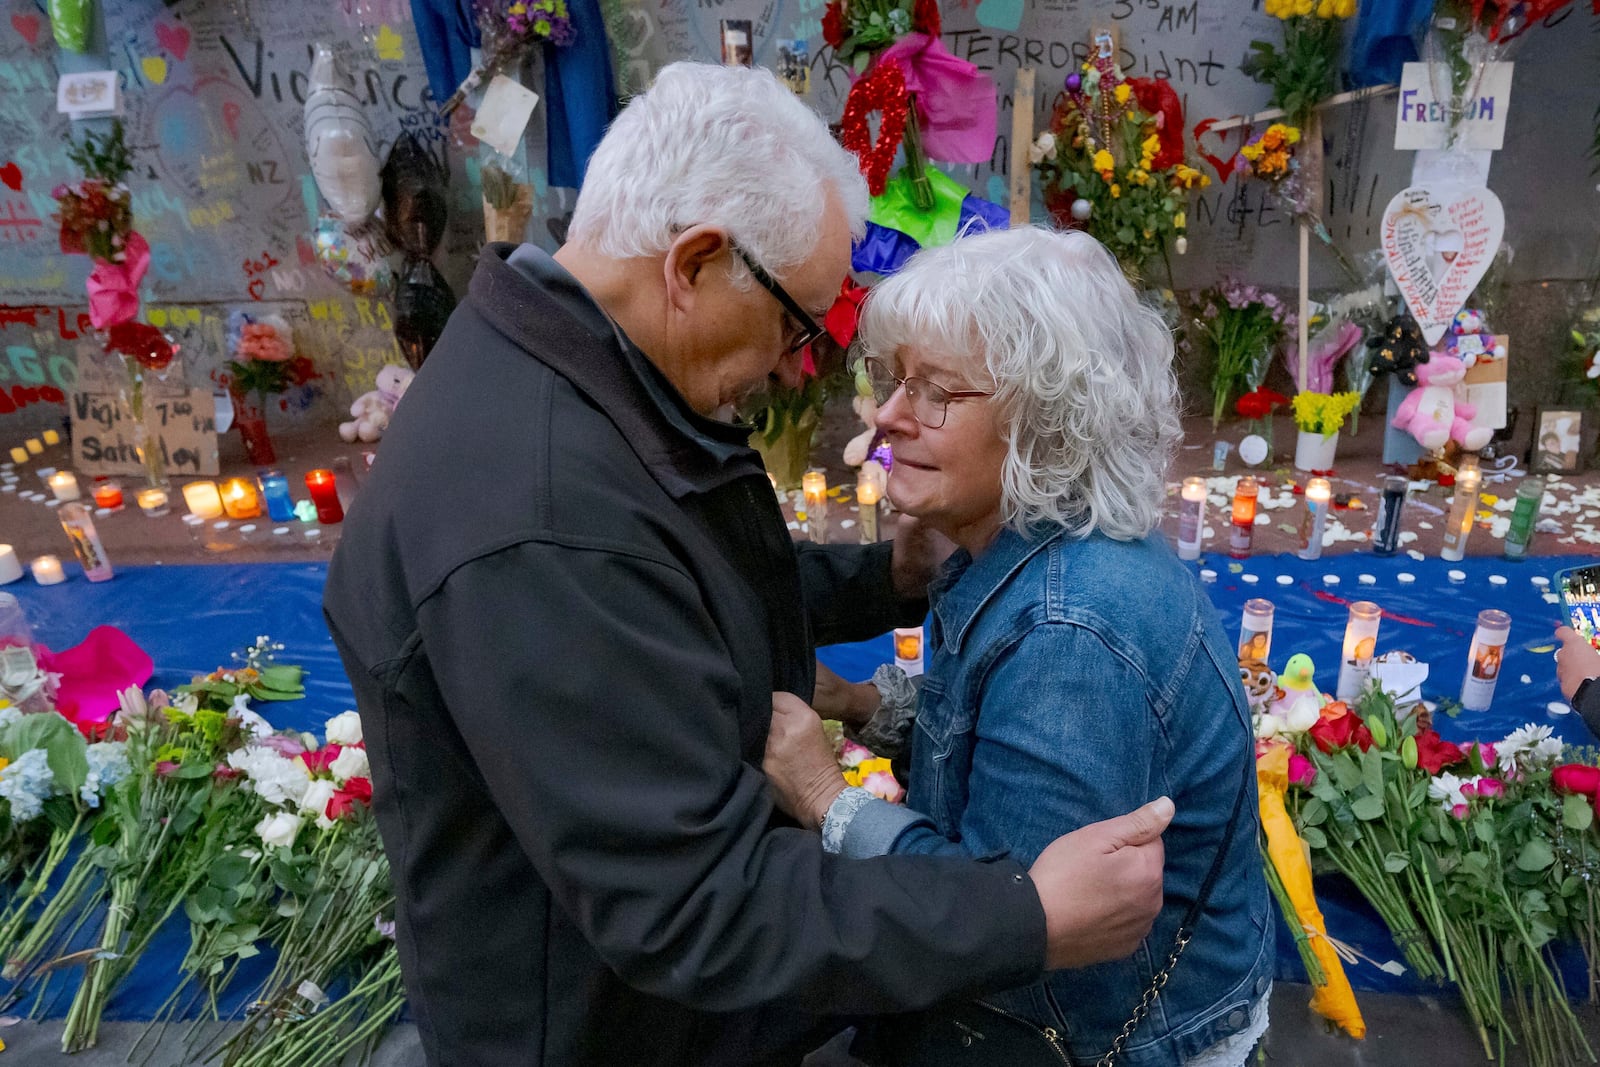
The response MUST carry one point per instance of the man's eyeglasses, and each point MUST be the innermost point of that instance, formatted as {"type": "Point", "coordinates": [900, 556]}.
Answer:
{"type": "Point", "coordinates": [929, 401]}
{"type": "Point", "coordinates": [804, 328]}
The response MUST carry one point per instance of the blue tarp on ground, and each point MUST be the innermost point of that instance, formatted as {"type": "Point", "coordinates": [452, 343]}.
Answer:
{"type": "Point", "coordinates": [191, 618]}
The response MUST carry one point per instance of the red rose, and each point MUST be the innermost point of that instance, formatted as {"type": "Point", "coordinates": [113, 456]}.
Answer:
{"type": "Point", "coordinates": [319, 761]}
{"type": "Point", "coordinates": [1362, 737]}
{"type": "Point", "coordinates": [1576, 778]}
{"type": "Point", "coordinates": [925, 18]}
{"type": "Point", "coordinates": [1434, 753]}
{"type": "Point", "coordinates": [1157, 97]}
{"type": "Point", "coordinates": [833, 27]}
{"type": "Point", "coordinates": [142, 342]}
{"type": "Point", "coordinates": [1336, 728]}
{"type": "Point", "coordinates": [355, 791]}
{"type": "Point", "coordinates": [1258, 404]}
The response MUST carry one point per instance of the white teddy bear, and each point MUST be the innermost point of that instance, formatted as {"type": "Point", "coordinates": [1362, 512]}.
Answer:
{"type": "Point", "coordinates": [371, 411]}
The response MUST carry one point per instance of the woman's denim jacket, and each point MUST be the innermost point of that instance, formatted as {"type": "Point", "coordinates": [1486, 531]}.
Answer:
{"type": "Point", "coordinates": [1070, 681]}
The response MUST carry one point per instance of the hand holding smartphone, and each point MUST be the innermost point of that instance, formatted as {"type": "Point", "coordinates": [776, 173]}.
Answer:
{"type": "Point", "coordinates": [1580, 600]}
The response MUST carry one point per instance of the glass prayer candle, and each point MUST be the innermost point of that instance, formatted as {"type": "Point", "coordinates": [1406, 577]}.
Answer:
{"type": "Point", "coordinates": [1255, 631]}
{"type": "Point", "coordinates": [1191, 517]}
{"type": "Point", "coordinates": [1386, 530]}
{"type": "Point", "coordinates": [1485, 659]}
{"type": "Point", "coordinates": [51, 437]}
{"type": "Point", "coordinates": [814, 485]}
{"type": "Point", "coordinates": [1463, 509]}
{"type": "Point", "coordinates": [908, 649]}
{"type": "Point", "coordinates": [867, 496]}
{"type": "Point", "coordinates": [154, 502]}
{"type": "Point", "coordinates": [324, 490]}
{"type": "Point", "coordinates": [1242, 530]}
{"type": "Point", "coordinates": [47, 571]}
{"type": "Point", "coordinates": [64, 484]}
{"type": "Point", "coordinates": [1530, 495]}
{"type": "Point", "coordinates": [239, 499]}
{"type": "Point", "coordinates": [202, 498]}
{"type": "Point", "coordinates": [79, 524]}
{"type": "Point", "coordinates": [10, 566]}
{"type": "Point", "coordinates": [108, 495]}
{"type": "Point", "coordinates": [275, 490]}
{"type": "Point", "coordinates": [1319, 493]}
{"type": "Point", "coordinates": [1360, 642]}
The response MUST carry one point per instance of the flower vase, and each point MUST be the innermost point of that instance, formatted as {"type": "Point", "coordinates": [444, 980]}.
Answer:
{"type": "Point", "coordinates": [1314, 452]}
{"type": "Point", "coordinates": [155, 466]}
{"type": "Point", "coordinates": [508, 220]}
{"type": "Point", "coordinates": [787, 455]}
{"type": "Point", "coordinates": [1262, 428]}
{"type": "Point", "coordinates": [251, 418]}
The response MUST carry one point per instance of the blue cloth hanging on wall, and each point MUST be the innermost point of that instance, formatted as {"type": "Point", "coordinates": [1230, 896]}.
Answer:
{"type": "Point", "coordinates": [1383, 40]}
{"type": "Point", "coordinates": [883, 250]}
{"type": "Point", "coordinates": [580, 95]}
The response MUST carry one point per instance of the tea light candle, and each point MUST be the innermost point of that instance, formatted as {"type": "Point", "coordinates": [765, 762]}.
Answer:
{"type": "Point", "coordinates": [867, 495]}
{"type": "Point", "coordinates": [324, 490]}
{"type": "Point", "coordinates": [19, 455]}
{"type": "Point", "coordinates": [1319, 493]}
{"type": "Point", "coordinates": [1360, 641]}
{"type": "Point", "coordinates": [203, 499]}
{"type": "Point", "coordinates": [108, 495]}
{"type": "Point", "coordinates": [64, 484]}
{"type": "Point", "coordinates": [1191, 517]}
{"type": "Point", "coordinates": [47, 571]}
{"type": "Point", "coordinates": [51, 437]}
{"type": "Point", "coordinates": [35, 446]}
{"type": "Point", "coordinates": [10, 566]}
{"type": "Point", "coordinates": [815, 486]}
{"type": "Point", "coordinates": [153, 502]}
{"type": "Point", "coordinates": [1463, 509]}
{"type": "Point", "coordinates": [239, 499]}
{"type": "Point", "coordinates": [275, 490]}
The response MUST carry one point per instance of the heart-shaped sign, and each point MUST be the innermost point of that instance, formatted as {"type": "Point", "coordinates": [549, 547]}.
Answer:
{"type": "Point", "coordinates": [174, 39]}
{"type": "Point", "coordinates": [11, 175]}
{"type": "Point", "coordinates": [27, 26]}
{"type": "Point", "coordinates": [1439, 242]}
{"type": "Point", "coordinates": [882, 89]}
{"type": "Point", "coordinates": [1223, 167]}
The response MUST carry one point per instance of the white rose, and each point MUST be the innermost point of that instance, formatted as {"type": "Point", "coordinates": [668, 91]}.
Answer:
{"type": "Point", "coordinates": [344, 729]}
{"type": "Point", "coordinates": [350, 763]}
{"type": "Point", "coordinates": [314, 801]}
{"type": "Point", "coordinates": [278, 831]}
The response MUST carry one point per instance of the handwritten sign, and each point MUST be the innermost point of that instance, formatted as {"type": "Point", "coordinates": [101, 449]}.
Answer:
{"type": "Point", "coordinates": [1438, 244]}
{"type": "Point", "coordinates": [1485, 382]}
{"type": "Point", "coordinates": [182, 427]}
{"type": "Point", "coordinates": [1423, 122]}
{"type": "Point", "coordinates": [89, 94]}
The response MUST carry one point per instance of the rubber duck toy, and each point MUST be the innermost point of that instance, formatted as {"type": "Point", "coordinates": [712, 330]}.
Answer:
{"type": "Point", "coordinates": [1301, 702]}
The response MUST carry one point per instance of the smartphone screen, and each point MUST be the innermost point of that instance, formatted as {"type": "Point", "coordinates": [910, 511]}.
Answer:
{"type": "Point", "coordinates": [1580, 595]}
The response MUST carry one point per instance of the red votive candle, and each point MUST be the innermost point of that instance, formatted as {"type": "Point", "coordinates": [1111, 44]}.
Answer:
{"type": "Point", "coordinates": [325, 495]}
{"type": "Point", "coordinates": [108, 495]}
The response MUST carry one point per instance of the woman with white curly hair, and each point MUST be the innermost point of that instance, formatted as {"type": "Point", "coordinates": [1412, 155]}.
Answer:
{"type": "Point", "coordinates": [1076, 669]}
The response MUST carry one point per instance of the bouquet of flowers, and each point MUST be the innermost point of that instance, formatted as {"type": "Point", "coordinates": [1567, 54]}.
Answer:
{"type": "Point", "coordinates": [96, 212]}
{"type": "Point", "coordinates": [1304, 70]}
{"type": "Point", "coordinates": [1240, 325]}
{"type": "Point", "coordinates": [1323, 413]}
{"type": "Point", "coordinates": [1113, 162]}
{"type": "Point", "coordinates": [509, 32]}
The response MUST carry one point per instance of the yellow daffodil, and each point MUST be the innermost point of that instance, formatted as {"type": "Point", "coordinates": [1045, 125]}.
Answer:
{"type": "Point", "coordinates": [1116, 191]}
{"type": "Point", "coordinates": [1123, 91]}
{"type": "Point", "coordinates": [1140, 177]}
{"type": "Point", "coordinates": [1304, 7]}
{"type": "Point", "coordinates": [1104, 163]}
{"type": "Point", "coordinates": [1180, 220]}
{"type": "Point", "coordinates": [1345, 8]}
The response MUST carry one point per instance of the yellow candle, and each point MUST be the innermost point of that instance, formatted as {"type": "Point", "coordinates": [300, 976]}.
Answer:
{"type": "Point", "coordinates": [64, 484]}
{"type": "Point", "coordinates": [153, 502]}
{"type": "Point", "coordinates": [19, 455]}
{"type": "Point", "coordinates": [203, 499]}
{"type": "Point", "coordinates": [815, 486]}
{"type": "Point", "coordinates": [867, 495]}
{"type": "Point", "coordinates": [34, 445]}
{"type": "Point", "coordinates": [51, 437]}
{"type": "Point", "coordinates": [239, 499]}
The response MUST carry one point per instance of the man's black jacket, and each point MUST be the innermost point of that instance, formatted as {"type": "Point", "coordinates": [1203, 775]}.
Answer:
{"type": "Point", "coordinates": [564, 601]}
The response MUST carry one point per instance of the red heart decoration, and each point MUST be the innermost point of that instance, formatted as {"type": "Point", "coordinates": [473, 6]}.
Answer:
{"type": "Point", "coordinates": [11, 175]}
{"type": "Point", "coordinates": [1224, 168]}
{"type": "Point", "coordinates": [882, 89]}
{"type": "Point", "coordinates": [28, 26]}
{"type": "Point", "coordinates": [174, 39]}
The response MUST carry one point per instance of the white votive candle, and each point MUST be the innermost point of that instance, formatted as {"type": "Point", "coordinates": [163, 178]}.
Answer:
{"type": "Point", "coordinates": [10, 566]}
{"type": "Point", "coordinates": [203, 499]}
{"type": "Point", "coordinates": [64, 484]}
{"type": "Point", "coordinates": [47, 571]}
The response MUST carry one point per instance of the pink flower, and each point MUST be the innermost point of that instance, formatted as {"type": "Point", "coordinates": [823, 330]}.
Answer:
{"type": "Point", "coordinates": [883, 784]}
{"type": "Point", "coordinates": [165, 768]}
{"type": "Point", "coordinates": [1302, 772]}
{"type": "Point", "coordinates": [1460, 811]}
{"type": "Point", "coordinates": [284, 745]}
{"type": "Point", "coordinates": [1485, 751]}
{"type": "Point", "coordinates": [225, 773]}
{"type": "Point", "coordinates": [319, 761]}
{"type": "Point", "coordinates": [851, 754]}
{"type": "Point", "coordinates": [1491, 787]}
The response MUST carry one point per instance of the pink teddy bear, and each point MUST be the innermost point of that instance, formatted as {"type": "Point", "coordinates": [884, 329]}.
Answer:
{"type": "Point", "coordinates": [1434, 412]}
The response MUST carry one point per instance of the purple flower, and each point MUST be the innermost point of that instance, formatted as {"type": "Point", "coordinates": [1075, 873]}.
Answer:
{"type": "Point", "coordinates": [284, 745]}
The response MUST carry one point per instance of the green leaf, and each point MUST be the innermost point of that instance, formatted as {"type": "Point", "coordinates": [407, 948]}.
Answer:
{"type": "Point", "coordinates": [1313, 813]}
{"type": "Point", "coordinates": [64, 747]}
{"type": "Point", "coordinates": [229, 870]}
{"type": "Point", "coordinates": [1535, 855]}
{"type": "Point", "coordinates": [284, 678]}
{"type": "Point", "coordinates": [1367, 808]}
{"type": "Point", "coordinates": [1576, 813]}
{"type": "Point", "coordinates": [1345, 772]}
{"type": "Point", "coordinates": [1394, 863]}
{"type": "Point", "coordinates": [1483, 828]}
{"type": "Point", "coordinates": [1313, 837]}
{"type": "Point", "coordinates": [194, 769]}
{"type": "Point", "coordinates": [1372, 771]}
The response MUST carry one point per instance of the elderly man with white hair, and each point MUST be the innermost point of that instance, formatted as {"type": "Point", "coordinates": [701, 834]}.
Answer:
{"type": "Point", "coordinates": [1077, 668]}
{"type": "Point", "coordinates": [565, 598]}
